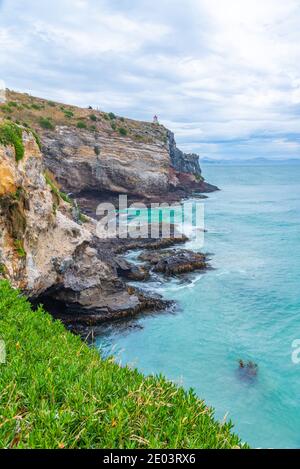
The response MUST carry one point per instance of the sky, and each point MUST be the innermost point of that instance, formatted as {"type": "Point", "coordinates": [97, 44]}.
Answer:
{"type": "Point", "coordinates": [224, 75]}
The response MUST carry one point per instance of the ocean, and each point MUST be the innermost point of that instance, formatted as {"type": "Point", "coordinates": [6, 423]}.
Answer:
{"type": "Point", "coordinates": [246, 307]}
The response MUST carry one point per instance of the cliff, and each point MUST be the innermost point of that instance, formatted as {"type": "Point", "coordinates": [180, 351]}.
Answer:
{"type": "Point", "coordinates": [44, 251]}
{"type": "Point", "coordinates": [47, 247]}
{"type": "Point", "coordinates": [93, 152]}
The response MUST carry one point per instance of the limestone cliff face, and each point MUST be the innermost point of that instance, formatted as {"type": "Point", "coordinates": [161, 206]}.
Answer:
{"type": "Point", "coordinates": [100, 162]}
{"type": "Point", "coordinates": [43, 251]}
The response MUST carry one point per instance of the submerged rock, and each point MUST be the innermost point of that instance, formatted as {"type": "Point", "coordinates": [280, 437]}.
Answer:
{"type": "Point", "coordinates": [247, 370]}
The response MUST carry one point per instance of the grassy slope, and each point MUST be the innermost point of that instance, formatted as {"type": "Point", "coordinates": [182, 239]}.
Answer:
{"type": "Point", "coordinates": [56, 392]}
{"type": "Point", "coordinates": [36, 112]}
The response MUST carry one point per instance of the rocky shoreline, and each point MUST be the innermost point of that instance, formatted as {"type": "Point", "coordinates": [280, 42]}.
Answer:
{"type": "Point", "coordinates": [153, 260]}
{"type": "Point", "coordinates": [49, 190]}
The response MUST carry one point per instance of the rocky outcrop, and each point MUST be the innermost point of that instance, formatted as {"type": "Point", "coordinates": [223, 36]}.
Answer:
{"type": "Point", "coordinates": [187, 174]}
{"type": "Point", "coordinates": [174, 262]}
{"type": "Point", "coordinates": [183, 162]}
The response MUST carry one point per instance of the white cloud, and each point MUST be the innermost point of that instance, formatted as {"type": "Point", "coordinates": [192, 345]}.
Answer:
{"type": "Point", "coordinates": [222, 74]}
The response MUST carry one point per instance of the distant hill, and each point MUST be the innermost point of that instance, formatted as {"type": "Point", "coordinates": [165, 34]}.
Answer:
{"type": "Point", "coordinates": [252, 161]}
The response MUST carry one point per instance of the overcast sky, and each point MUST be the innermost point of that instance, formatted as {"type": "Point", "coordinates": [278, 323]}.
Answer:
{"type": "Point", "coordinates": [223, 74]}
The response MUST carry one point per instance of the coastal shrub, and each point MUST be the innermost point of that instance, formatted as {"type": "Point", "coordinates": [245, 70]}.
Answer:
{"type": "Point", "coordinates": [93, 117]}
{"type": "Point", "coordinates": [112, 116]}
{"type": "Point", "coordinates": [51, 103]}
{"type": "Point", "coordinates": [113, 126]}
{"type": "Point", "coordinates": [46, 123]}
{"type": "Point", "coordinates": [68, 113]}
{"type": "Point", "coordinates": [37, 107]}
{"type": "Point", "coordinates": [11, 134]}
{"type": "Point", "coordinates": [6, 108]}
{"type": "Point", "coordinates": [58, 393]}
{"type": "Point", "coordinates": [81, 125]}
{"type": "Point", "coordinates": [122, 131]}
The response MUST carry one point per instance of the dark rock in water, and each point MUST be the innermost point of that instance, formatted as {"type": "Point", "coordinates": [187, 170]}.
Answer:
{"type": "Point", "coordinates": [123, 245]}
{"type": "Point", "coordinates": [130, 271]}
{"type": "Point", "coordinates": [174, 262]}
{"type": "Point", "coordinates": [77, 314]}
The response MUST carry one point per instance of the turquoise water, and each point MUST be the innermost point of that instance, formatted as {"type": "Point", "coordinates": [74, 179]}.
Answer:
{"type": "Point", "coordinates": [247, 307]}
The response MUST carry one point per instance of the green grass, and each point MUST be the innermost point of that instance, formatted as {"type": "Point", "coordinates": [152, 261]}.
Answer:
{"type": "Point", "coordinates": [11, 134]}
{"type": "Point", "coordinates": [58, 393]}
{"type": "Point", "coordinates": [20, 248]}
{"type": "Point", "coordinates": [37, 138]}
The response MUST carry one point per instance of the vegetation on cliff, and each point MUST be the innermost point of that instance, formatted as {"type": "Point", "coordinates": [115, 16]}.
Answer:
{"type": "Point", "coordinates": [11, 134]}
{"type": "Point", "coordinates": [56, 392]}
{"type": "Point", "coordinates": [41, 114]}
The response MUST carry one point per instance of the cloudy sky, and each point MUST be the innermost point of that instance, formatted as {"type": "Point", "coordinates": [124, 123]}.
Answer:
{"type": "Point", "coordinates": [223, 74]}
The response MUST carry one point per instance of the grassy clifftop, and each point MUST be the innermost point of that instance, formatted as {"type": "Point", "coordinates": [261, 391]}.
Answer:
{"type": "Point", "coordinates": [58, 393]}
{"type": "Point", "coordinates": [41, 114]}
